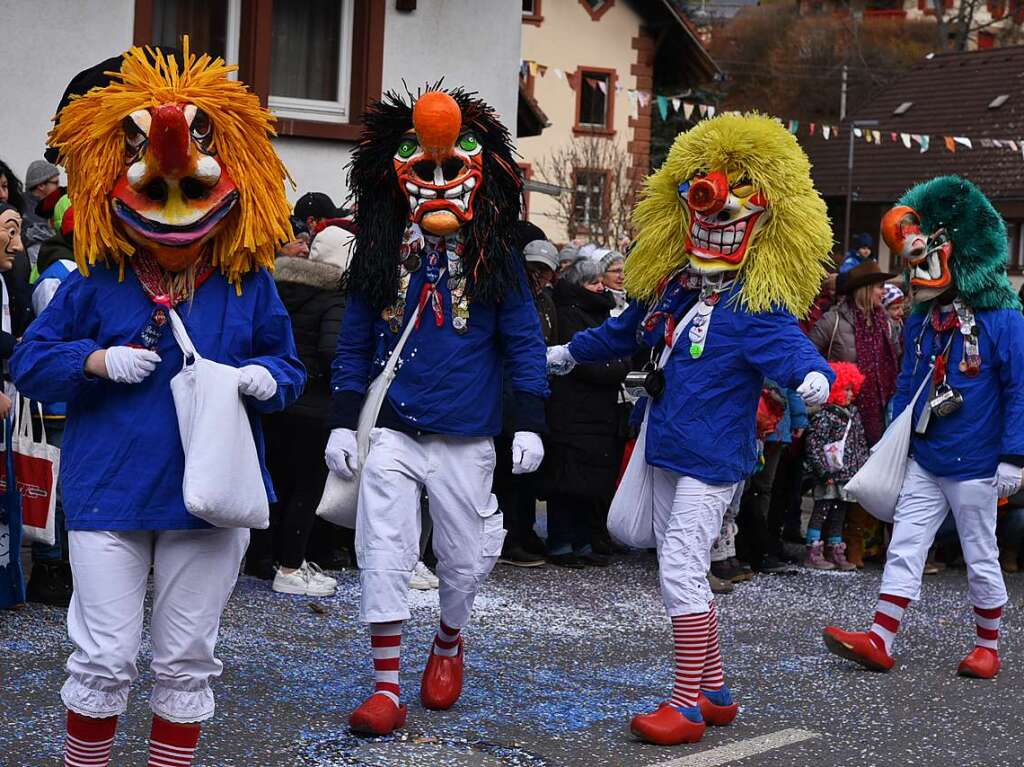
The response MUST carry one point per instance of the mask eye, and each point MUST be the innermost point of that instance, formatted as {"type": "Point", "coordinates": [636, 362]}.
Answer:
{"type": "Point", "coordinates": [743, 188]}
{"type": "Point", "coordinates": [469, 143]}
{"type": "Point", "coordinates": [136, 129]}
{"type": "Point", "coordinates": [683, 189]}
{"type": "Point", "coordinates": [407, 149]}
{"type": "Point", "coordinates": [202, 128]}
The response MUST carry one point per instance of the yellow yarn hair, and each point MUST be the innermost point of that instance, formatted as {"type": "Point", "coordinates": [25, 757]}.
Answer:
{"type": "Point", "coordinates": [784, 265]}
{"type": "Point", "coordinates": [91, 145]}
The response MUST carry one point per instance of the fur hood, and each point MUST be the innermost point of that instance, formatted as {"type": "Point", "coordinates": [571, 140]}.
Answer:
{"type": "Point", "coordinates": [315, 274]}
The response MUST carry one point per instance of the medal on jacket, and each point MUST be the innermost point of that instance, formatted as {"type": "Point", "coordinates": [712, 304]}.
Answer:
{"type": "Point", "coordinates": [457, 287]}
{"type": "Point", "coordinates": [970, 358]}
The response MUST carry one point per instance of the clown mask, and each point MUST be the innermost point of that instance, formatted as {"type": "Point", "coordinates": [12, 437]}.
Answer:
{"type": "Point", "coordinates": [927, 255]}
{"type": "Point", "coordinates": [10, 236]}
{"type": "Point", "coordinates": [726, 210]}
{"type": "Point", "coordinates": [439, 165]}
{"type": "Point", "coordinates": [174, 193]}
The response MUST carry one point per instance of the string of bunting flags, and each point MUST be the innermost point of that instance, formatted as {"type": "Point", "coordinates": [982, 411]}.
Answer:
{"type": "Point", "coordinates": [693, 111]}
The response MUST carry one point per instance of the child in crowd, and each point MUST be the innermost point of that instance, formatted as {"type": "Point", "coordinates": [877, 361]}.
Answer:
{"type": "Point", "coordinates": [836, 449]}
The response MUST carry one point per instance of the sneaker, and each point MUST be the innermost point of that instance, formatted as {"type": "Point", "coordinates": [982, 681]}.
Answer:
{"type": "Point", "coordinates": [318, 578]}
{"type": "Point", "coordinates": [422, 579]}
{"type": "Point", "coordinates": [517, 556]}
{"type": "Point", "coordinates": [298, 582]}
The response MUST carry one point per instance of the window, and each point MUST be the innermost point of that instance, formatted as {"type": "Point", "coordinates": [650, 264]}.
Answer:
{"type": "Point", "coordinates": [315, 64]}
{"type": "Point", "coordinates": [590, 199]}
{"type": "Point", "coordinates": [595, 101]}
{"type": "Point", "coordinates": [531, 12]}
{"type": "Point", "coordinates": [597, 8]}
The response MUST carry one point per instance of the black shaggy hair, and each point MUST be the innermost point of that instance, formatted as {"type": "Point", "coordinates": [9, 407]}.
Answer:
{"type": "Point", "coordinates": [382, 214]}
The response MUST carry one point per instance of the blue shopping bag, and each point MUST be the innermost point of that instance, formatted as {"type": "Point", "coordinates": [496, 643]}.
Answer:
{"type": "Point", "coordinates": [12, 580]}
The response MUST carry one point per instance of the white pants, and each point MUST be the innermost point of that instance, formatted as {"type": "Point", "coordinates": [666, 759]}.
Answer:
{"type": "Point", "coordinates": [194, 572]}
{"type": "Point", "coordinates": [468, 531]}
{"type": "Point", "coordinates": [687, 520]}
{"type": "Point", "coordinates": [923, 504]}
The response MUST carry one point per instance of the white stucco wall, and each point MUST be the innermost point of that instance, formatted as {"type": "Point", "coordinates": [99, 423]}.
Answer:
{"type": "Point", "coordinates": [473, 43]}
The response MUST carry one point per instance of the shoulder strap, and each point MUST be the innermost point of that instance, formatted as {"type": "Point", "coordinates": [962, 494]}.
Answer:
{"type": "Point", "coordinates": [667, 351]}
{"type": "Point", "coordinates": [396, 353]}
{"type": "Point", "coordinates": [832, 340]}
{"type": "Point", "coordinates": [181, 336]}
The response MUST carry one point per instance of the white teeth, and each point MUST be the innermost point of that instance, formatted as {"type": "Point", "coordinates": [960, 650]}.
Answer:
{"type": "Point", "coordinates": [934, 267]}
{"type": "Point", "coordinates": [413, 201]}
{"type": "Point", "coordinates": [460, 203]}
{"type": "Point", "coordinates": [470, 182]}
{"type": "Point", "coordinates": [428, 193]}
{"type": "Point", "coordinates": [411, 187]}
{"type": "Point", "coordinates": [716, 237]}
{"type": "Point", "coordinates": [455, 191]}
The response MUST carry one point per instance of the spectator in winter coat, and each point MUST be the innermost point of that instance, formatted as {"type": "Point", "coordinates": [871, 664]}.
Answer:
{"type": "Point", "coordinates": [41, 180]}
{"type": "Point", "coordinates": [297, 437]}
{"type": "Point", "coordinates": [583, 457]}
{"type": "Point", "coordinates": [859, 253]}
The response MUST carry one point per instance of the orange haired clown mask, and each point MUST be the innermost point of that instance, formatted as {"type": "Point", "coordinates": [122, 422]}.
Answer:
{"type": "Point", "coordinates": [725, 212]}
{"type": "Point", "coordinates": [439, 165]}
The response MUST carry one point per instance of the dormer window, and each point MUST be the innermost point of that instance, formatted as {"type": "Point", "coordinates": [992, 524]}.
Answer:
{"type": "Point", "coordinates": [998, 101]}
{"type": "Point", "coordinates": [902, 108]}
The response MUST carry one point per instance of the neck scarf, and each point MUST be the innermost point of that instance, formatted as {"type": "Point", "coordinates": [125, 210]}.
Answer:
{"type": "Point", "coordinates": [876, 359]}
{"type": "Point", "coordinates": [165, 288]}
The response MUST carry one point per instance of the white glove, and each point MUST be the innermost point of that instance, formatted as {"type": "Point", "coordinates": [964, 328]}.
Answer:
{"type": "Point", "coordinates": [342, 453]}
{"type": "Point", "coordinates": [126, 364]}
{"type": "Point", "coordinates": [1008, 479]}
{"type": "Point", "coordinates": [814, 389]}
{"type": "Point", "coordinates": [560, 360]}
{"type": "Point", "coordinates": [255, 381]}
{"type": "Point", "coordinates": [527, 450]}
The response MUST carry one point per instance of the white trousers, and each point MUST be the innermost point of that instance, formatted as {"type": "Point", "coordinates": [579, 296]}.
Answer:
{"type": "Point", "coordinates": [687, 520]}
{"type": "Point", "coordinates": [468, 532]}
{"type": "Point", "coordinates": [923, 504]}
{"type": "Point", "coordinates": [194, 572]}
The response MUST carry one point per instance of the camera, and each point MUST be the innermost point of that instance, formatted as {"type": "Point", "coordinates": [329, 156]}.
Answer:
{"type": "Point", "coordinates": [650, 382]}
{"type": "Point", "coordinates": [946, 401]}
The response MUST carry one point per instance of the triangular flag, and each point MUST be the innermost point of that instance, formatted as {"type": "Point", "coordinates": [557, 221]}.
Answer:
{"type": "Point", "coordinates": [645, 98]}
{"type": "Point", "coordinates": [675, 103]}
{"type": "Point", "coordinates": [542, 68]}
{"type": "Point", "coordinates": [988, 143]}
{"type": "Point", "coordinates": [905, 138]}
{"type": "Point", "coordinates": [533, 68]}
{"type": "Point", "coordinates": [558, 73]}
{"type": "Point", "coordinates": [826, 132]}
{"type": "Point", "coordinates": [1013, 145]}
{"type": "Point", "coordinates": [963, 141]}
{"type": "Point", "coordinates": [703, 109]}
{"type": "Point", "coordinates": [926, 141]}
{"type": "Point", "coordinates": [603, 86]}
{"type": "Point", "coordinates": [687, 110]}
{"type": "Point", "coordinates": [663, 107]}
{"type": "Point", "coordinates": [591, 81]}
{"type": "Point", "coordinates": [633, 108]}
{"type": "Point", "coordinates": [711, 111]}
{"type": "Point", "coordinates": [878, 136]}
{"type": "Point", "coordinates": [858, 132]}
{"type": "Point", "coordinates": [893, 137]}
{"type": "Point", "coordinates": [950, 144]}
{"type": "Point", "coordinates": [794, 126]}
{"type": "Point", "coordinates": [811, 128]}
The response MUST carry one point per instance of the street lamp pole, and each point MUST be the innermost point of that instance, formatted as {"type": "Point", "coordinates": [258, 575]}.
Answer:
{"type": "Point", "coordinates": [851, 126]}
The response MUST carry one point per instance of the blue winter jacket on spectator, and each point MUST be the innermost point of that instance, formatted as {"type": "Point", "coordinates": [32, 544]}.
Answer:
{"type": "Point", "coordinates": [989, 426]}
{"type": "Point", "coordinates": [122, 462]}
{"type": "Point", "coordinates": [447, 382]}
{"type": "Point", "coordinates": [794, 417]}
{"type": "Point", "coordinates": [704, 424]}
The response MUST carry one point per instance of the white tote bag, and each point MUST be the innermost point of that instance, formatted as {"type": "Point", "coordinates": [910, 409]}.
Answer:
{"type": "Point", "coordinates": [36, 468]}
{"type": "Point", "coordinates": [223, 482]}
{"type": "Point", "coordinates": [835, 452]}
{"type": "Point", "coordinates": [631, 514]}
{"type": "Point", "coordinates": [878, 484]}
{"type": "Point", "coordinates": [340, 500]}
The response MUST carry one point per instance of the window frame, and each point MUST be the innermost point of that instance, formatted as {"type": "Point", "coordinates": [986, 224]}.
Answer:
{"type": "Point", "coordinates": [536, 17]}
{"type": "Point", "coordinates": [579, 128]}
{"type": "Point", "coordinates": [595, 15]}
{"type": "Point", "coordinates": [579, 227]}
{"type": "Point", "coordinates": [254, 35]}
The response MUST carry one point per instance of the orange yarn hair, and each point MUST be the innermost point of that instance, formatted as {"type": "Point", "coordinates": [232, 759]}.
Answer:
{"type": "Point", "coordinates": [848, 375]}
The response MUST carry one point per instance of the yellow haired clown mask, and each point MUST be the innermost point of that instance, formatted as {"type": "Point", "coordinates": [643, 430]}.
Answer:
{"type": "Point", "coordinates": [173, 158]}
{"type": "Point", "coordinates": [734, 195]}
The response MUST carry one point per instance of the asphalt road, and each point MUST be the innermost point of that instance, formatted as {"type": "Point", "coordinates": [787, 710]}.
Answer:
{"type": "Point", "coordinates": [557, 663]}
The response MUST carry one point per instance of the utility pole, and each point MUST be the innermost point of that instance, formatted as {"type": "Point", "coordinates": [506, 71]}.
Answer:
{"type": "Point", "coordinates": [851, 127]}
{"type": "Point", "coordinates": [842, 97]}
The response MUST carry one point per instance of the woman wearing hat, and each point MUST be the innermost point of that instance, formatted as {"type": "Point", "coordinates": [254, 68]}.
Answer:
{"type": "Point", "coordinates": [858, 330]}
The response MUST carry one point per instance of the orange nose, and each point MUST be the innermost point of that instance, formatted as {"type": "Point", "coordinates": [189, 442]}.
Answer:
{"type": "Point", "coordinates": [708, 195]}
{"type": "Point", "coordinates": [438, 121]}
{"type": "Point", "coordinates": [169, 139]}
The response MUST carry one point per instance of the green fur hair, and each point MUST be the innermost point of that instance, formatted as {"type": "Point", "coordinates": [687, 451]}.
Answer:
{"type": "Point", "coordinates": [980, 249]}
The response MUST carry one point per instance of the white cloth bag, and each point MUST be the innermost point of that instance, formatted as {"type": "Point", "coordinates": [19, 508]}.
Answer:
{"type": "Point", "coordinates": [340, 500]}
{"type": "Point", "coordinates": [835, 452]}
{"type": "Point", "coordinates": [631, 514]}
{"type": "Point", "coordinates": [223, 482]}
{"type": "Point", "coordinates": [36, 466]}
{"type": "Point", "coordinates": [878, 484]}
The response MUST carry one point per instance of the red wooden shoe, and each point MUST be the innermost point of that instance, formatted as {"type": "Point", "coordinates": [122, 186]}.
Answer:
{"type": "Point", "coordinates": [862, 647]}
{"type": "Point", "coordinates": [442, 680]}
{"type": "Point", "coordinates": [377, 715]}
{"type": "Point", "coordinates": [721, 712]}
{"type": "Point", "coordinates": [668, 726]}
{"type": "Point", "coordinates": [980, 663]}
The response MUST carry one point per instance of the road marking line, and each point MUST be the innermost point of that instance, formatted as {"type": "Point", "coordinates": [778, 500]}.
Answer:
{"type": "Point", "coordinates": [731, 752]}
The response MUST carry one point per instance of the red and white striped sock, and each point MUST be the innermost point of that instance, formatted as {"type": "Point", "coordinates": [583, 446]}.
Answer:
{"type": "Point", "coordinates": [888, 614]}
{"type": "Point", "coordinates": [172, 744]}
{"type": "Point", "coordinates": [713, 678]}
{"type": "Point", "coordinates": [386, 641]}
{"type": "Point", "coordinates": [690, 640]}
{"type": "Point", "coordinates": [88, 741]}
{"type": "Point", "coordinates": [446, 641]}
{"type": "Point", "coordinates": [987, 622]}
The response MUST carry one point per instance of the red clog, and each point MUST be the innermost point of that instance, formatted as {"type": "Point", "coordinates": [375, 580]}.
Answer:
{"type": "Point", "coordinates": [442, 680]}
{"type": "Point", "coordinates": [980, 663]}
{"type": "Point", "coordinates": [377, 715]}
{"type": "Point", "coordinates": [666, 727]}
{"type": "Point", "coordinates": [862, 647]}
{"type": "Point", "coordinates": [715, 715]}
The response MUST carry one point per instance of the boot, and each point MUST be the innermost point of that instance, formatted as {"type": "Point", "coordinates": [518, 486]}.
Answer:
{"type": "Point", "coordinates": [836, 554]}
{"type": "Point", "coordinates": [746, 572]}
{"type": "Point", "coordinates": [723, 570]}
{"type": "Point", "coordinates": [49, 584]}
{"type": "Point", "coordinates": [1008, 559]}
{"type": "Point", "coordinates": [814, 558]}
{"type": "Point", "coordinates": [980, 663]}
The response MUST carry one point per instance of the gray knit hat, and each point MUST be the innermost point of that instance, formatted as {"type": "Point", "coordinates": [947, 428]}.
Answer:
{"type": "Point", "coordinates": [40, 171]}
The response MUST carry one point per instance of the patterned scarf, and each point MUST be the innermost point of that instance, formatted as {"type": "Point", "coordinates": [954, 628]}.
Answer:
{"type": "Point", "coordinates": [876, 359]}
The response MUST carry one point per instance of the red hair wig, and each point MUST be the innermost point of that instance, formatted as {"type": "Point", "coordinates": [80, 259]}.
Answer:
{"type": "Point", "coordinates": [847, 375]}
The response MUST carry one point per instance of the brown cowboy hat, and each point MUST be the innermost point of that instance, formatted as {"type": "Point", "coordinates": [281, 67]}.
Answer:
{"type": "Point", "coordinates": [868, 273]}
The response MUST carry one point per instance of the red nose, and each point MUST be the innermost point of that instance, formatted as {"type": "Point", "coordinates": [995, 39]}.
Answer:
{"type": "Point", "coordinates": [169, 139]}
{"type": "Point", "coordinates": [708, 195]}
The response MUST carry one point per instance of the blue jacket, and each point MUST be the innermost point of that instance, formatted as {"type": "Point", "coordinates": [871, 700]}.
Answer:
{"type": "Point", "coordinates": [794, 417]}
{"type": "Point", "coordinates": [122, 463]}
{"type": "Point", "coordinates": [989, 426]}
{"type": "Point", "coordinates": [704, 424]}
{"type": "Point", "coordinates": [447, 382]}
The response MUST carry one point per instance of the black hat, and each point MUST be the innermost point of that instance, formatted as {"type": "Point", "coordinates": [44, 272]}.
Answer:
{"type": "Point", "coordinates": [317, 205]}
